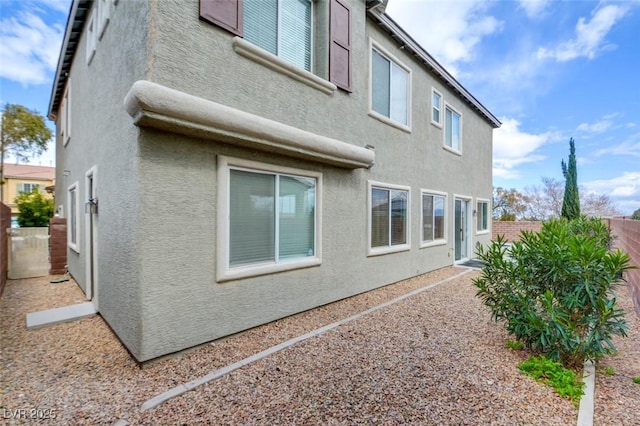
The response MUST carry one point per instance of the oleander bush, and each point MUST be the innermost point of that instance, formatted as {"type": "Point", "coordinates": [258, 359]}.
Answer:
{"type": "Point", "coordinates": [554, 289]}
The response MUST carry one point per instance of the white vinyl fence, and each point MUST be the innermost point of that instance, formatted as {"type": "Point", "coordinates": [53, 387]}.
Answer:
{"type": "Point", "coordinates": [28, 252]}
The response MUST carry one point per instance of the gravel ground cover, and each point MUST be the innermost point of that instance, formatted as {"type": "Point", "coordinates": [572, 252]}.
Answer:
{"type": "Point", "coordinates": [434, 358]}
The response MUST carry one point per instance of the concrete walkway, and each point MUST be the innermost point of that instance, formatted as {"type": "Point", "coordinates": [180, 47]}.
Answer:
{"type": "Point", "coordinates": [60, 315]}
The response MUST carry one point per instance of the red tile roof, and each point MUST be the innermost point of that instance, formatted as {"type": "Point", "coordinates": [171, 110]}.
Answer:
{"type": "Point", "coordinates": [26, 171]}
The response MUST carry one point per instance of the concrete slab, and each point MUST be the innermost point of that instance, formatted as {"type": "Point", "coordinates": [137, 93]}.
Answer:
{"type": "Point", "coordinates": [59, 315]}
{"type": "Point", "coordinates": [587, 402]}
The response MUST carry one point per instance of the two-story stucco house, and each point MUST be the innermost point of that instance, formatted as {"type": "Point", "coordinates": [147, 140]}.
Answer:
{"type": "Point", "coordinates": [223, 164]}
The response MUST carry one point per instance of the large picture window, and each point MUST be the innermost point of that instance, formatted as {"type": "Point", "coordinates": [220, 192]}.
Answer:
{"type": "Point", "coordinates": [389, 88]}
{"type": "Point", "coordinates": [389, 218]}
{"type": "Point", "coordinates": [272, 220]}
{"type": "Point", "coordinates": [281, 27]}
{"type": "Point", "coordinates": [433, 218]}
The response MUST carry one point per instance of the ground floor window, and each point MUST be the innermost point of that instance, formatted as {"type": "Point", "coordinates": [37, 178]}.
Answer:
{"type": "Point", "coordinates": [272, 218]}
{"type": "Point", "coordinates": [433, 218]}
{"type": "Point", "coordinates": [482, 215]}
{"type": "Point", "coordinates": [388, 218]}
{"type": "Point", "coordinates": [72, 220]}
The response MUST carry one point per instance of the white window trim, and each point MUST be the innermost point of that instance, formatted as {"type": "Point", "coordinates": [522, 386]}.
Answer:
{"type": "Point", "coordinates": [276, 63]}
{"type": "Point", "coordinates": [488, 230]}
{"type": "Point", "coordinates": [439, 241]}
{"type": "Point", "coordinates": [223, 271]}
{"type": "Point", "coordinates": [91, 37]}
{"type": "Point", "coordinates": [376, 251]}
{"type": "Point", "coordinates": [406, 128]}
{"type": "Point", "coordinates": [73, 246]}
{"type": "Point", "coordinates": [65, 120]}
{"type": "Point", "coordinates": [104, 12]}
{"type": "Point", "coordinates": [437, 123]}
{"type": "Point", "coordinates": [444, 133]}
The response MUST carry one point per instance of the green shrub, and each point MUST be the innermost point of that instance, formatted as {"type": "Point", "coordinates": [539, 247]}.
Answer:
{"type": "Point", "coordinates": [554, 289]}
{"type": "Point", "coordinates": [34, 208]}
{"type": "Point", "coordinates": [565, 382]}
{"type": "Point", "coordinates": [636, 380]}
{"type": "Point", "coordinates": [514, 345]}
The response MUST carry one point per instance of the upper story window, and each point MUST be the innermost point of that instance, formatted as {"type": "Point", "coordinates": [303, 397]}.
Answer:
{"type": "Point", "coordinates": [452, 129]}
{"type": "Point", "coordinates": [29, 187]}
{"type": "Point", "coordinates": [91, 35]}
{"type": "Point", "coordinates": [284, 28]}
{"type": "Point", "coordinates": [65, 115]}
{"type": "Point", "coordinates": [281, 27]}
{"type": "Point", "coordinates": [436, 107]}
{"type": "Point", "coordinates": [390, 91]}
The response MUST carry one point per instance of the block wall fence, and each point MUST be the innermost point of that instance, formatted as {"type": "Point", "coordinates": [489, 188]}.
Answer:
{"type": "Point", "coordinates": [511, 229]}
{"type": "Point", "coordinates": [58, 245]}
{"type": "Point", "coordinates": [627, 233]}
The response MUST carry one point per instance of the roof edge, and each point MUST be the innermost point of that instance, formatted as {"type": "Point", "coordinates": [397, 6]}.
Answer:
{"type": "Point", "coordinates": [401, 36]}
{"type": "Point", "coordinates": [60, 80]}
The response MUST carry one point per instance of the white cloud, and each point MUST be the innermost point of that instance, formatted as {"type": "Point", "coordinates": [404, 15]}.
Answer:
{"type": "Point", "coordinates": [534, 8]}
{"type": "Point", "coordinates": [448, 32]}
{"type": "Point", "coordinates": [600, 126]}
{"type": "Point", "coordinates": [29, 48]}
{"type": "Point", "coordinates": [625, 185]}
{"type": "Point", "coordinates": [628, 147]}
{"type": "Point", "coordinates": [589, 39]}
{"type": "Point", "coordinates": [513, 147]}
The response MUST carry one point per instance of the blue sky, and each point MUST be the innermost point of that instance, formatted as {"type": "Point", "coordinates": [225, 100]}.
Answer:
{"type": "Point", "coordinates": [550, 70]}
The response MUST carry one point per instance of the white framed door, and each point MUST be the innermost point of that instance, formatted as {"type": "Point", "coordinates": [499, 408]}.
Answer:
{"type": "Point", "coordinates": [90, 232]}
{"type": "Point", "coordinates": [461, 227]}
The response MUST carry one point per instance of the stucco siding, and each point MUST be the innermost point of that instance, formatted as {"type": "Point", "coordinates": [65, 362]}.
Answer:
{"type": "Point", "coordinates": [158, 236]}
{"type": "Point", "coordinates": [103, 137]}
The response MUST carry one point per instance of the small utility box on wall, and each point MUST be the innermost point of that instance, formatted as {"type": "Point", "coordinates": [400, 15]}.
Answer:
{"type": "Point", "coordinates": [28, 252]}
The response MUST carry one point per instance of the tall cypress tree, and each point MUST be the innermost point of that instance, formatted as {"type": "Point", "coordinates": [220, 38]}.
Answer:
{"type": "Point", "coordinates": [571, 202]}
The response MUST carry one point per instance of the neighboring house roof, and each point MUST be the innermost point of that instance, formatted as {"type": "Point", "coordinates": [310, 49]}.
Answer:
{"type": "Point", "coordinates": [28, 172]}
{"type": "Point", "coordinates": [80, 8]}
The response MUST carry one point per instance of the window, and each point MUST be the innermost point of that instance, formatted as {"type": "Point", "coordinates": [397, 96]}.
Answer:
{"type": "Point", "coordinates": [389, 87]}
{"type": "Point", "coordinates": [285, 29]}
{"type": "Point", "coordinates": [91, 37]}
{"type": "Point", "coordinates": [433, 218]}
{"type": "Point", "coordinates": [452, 129]}
{"type": "Point", "coordinates": [65, 115]}
{"type": "Point", "coordinates": [389, 218]}
{"type": "Point", "coordinates": [281, 27]}
{"type": "Point", "coordinates": [29, 187]}
{"type": "Point", "coordinates": [483, 215]}
{"type": "Point", "coordinates": [436, 107]}
{"type": "Point", "coordinates": [273, 221]}
{"type": "Point", "coordinates": [72, 220]}
{"type": "Point", "coordinates": [104, 10]}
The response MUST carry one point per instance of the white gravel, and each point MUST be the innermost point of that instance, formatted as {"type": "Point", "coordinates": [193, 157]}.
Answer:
{"type": "Point", "coordinates": [434, 358]}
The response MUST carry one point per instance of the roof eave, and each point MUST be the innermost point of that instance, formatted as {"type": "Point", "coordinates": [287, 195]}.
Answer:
{"type": "Point", "coordinates": [73, 31]}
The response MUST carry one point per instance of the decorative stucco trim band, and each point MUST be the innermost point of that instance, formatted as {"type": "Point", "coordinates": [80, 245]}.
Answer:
{"type": "Point", "coordinates": [156, 106]}
{"type": "Point", "coordinates": [269, 60]}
